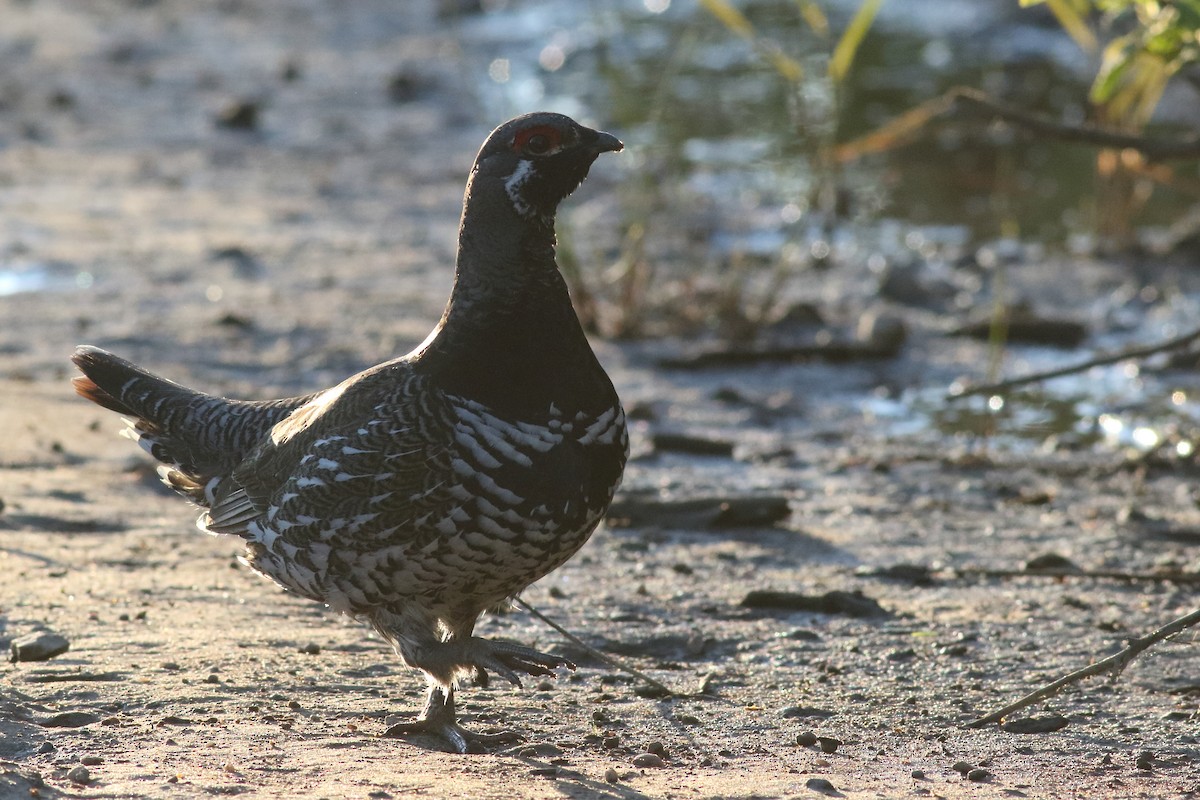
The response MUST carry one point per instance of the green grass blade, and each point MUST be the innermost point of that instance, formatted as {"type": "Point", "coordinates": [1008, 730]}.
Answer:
{"type": "Point", "coordinates": [847, 46]}
{"type": "Point", "coordinates": [729, 16]}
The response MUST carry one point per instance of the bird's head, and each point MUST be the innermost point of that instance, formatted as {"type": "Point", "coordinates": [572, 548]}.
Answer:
{"type": "Point", "coordinates": [540, 158]}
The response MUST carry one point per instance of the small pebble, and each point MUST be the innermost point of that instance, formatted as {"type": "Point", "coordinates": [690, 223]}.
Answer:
{"type": "Point", "coordinates": [45, 748]}
{"type": "Point", "coordinates": [611, 775]}
{"type": "Point", "coordinates": [806, 739]}
{"type": "Point", "coordinates": [918, 774]}
{"type": "Point", "coordinates": [542, 750]}
{"type": "Point", "coordinates": [39, 646]}
{"type": "Point", "coordinates": [828, 744]}
{"type": "Point", "coordinates": [963, 767]}
{"type": "Point", "coordinates": [311, 649]}
{"type": "Point", "coordinates": [91, 761]}
{"type": "Point", "coordinates": [239, 115]}
{"type": "Point", "coordinates": [657, 749]}
{"type": "Point", "coordinates": [79, 775]}
{"type": "Point", "coordinates": [822, 786]}
{"type": "Point", "coordinates": [979, 775]}
{"type": "Point", "coordinates": [1145, 760]}
{"type": "Point", "coordinates": [647, 760]}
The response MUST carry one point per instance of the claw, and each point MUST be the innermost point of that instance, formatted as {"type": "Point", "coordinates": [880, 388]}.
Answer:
{"type": "Point", "coordinates": [438, 720]}
{"type": "Point", "coordinates": [506, 659]}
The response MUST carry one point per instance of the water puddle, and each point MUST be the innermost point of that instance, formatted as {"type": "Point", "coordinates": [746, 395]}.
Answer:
{"type": "Point", "coordinates": [712, 124]}
{"type": "Point", "coordinates": [1117, 408]}
{"type": "Point", "coordinates": [20, 277]}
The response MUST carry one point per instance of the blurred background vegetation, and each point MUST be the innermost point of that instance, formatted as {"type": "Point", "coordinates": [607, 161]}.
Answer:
{"type": "Point", "coordinates": [775, 138]}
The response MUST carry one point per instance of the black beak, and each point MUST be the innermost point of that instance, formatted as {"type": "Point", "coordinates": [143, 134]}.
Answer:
{"type": "Point", "coordinates": [602, 142]}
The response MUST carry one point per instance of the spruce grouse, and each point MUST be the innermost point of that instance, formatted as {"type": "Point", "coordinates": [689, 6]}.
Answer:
{"type": "Point", "coordinates": [428, 489]}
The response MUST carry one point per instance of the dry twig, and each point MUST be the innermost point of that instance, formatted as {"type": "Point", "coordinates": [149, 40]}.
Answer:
{"type": "Point", "coordinates": [905, 127]}
{"type": "Point", "coordinates": [1184, 578]}
{"type": "Point", "coordinates": [612, 662]}
{"type": "Point", "coordinates": [1178, 343]}
{"type": "Point", "coordinates": [1114, 665]}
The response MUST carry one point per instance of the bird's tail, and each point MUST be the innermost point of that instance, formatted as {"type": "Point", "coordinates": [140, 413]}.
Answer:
{"type": "Point", "coordinates": [198, 437]}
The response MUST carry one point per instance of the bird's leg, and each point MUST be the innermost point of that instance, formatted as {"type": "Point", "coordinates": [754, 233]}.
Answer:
{"type": "Point", "coordinates": [438, 719]}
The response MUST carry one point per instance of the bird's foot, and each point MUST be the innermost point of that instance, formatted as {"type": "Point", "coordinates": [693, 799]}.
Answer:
{"type": "Point", "coordinates": [438, 721]}
{"type": "Point", "coordinates": [507, 659]}
{"type": "Point", "coordinates": [456, 736]}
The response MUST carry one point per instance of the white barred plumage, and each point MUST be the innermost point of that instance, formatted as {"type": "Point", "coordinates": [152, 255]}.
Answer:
{"type": "Point", "coordinates": [422, 491]}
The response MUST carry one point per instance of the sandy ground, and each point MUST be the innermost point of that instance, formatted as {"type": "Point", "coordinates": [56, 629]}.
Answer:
{"type": "Point", "coordinates": [269, 262]}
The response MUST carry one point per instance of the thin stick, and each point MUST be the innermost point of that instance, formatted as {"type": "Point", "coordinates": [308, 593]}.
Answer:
{"type": "Point", "coordinates": [1098, 574]}
{"type": "Point", "coordinates": [904, 129]}
{"type": "Point", "coordinates": [1177, 343]}
{"type": "Point", "coordinates": [1154, 149]}
{"type": "Point", "coordinates": [612, 662]}
{"type": "Point", "coordinates": [1114, 664]}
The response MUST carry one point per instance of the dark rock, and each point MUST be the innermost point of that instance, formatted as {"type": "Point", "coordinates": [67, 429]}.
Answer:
{"type": "Point", "coordinates": [754, 511]}
{"type": "Point", "coordinates": [404, 87]}
{"type": "Point", "coordinates": [828, 744]}
{"type": "Point", "coordinates": [669, 646]}
{"type": "Point", "coordinates": [541, 750]}
{"type": "Point", "coordinates": [749, 511]}
{"type": "Point", "coordinates": [910, 285]}
{"type": "Point", "coordinates": [244, 264]}
{"type": "Point", "coordinates": [648, 760]}
{"type": "Point", "coordinates": [692, 445]}
{"type": "Point", "coordinates": [834, 350]}
{"type": "Point", "coordinates": [70, 719]}
{"type": "Point", "coordinates": [651, 692]}
{"type": "Point", "coordinates": [1051, 562]}
{"type": "Point", "coordinates": [916, 574]}
{"type": "Point", "coordinates": [241, 115]}
{"type": "Point", "coordinates": [823, 786]}
{"type": "Point", "coordinates": [885, 332]}
{"type": "Point", "coordinates": [806, 739]}
{"type": "Point", "coordinates": [1041, 724]}
{"type": "Point", "coordinates": [39, 646]}
{"type": "Point", "coordinates": [1024, 326]}
{"type": "Point", "coordinates": [979, 775]}
{"type": "Point", "coordinates": [805, 712]}
{"type": "Point", "coordinates": [850, 604]}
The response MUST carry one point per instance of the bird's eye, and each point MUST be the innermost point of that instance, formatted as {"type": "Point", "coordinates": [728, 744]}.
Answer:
{"type": "Point", "coordinates": [537, 140]}
{"type": "Point", "coordinates": [537, 144]}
